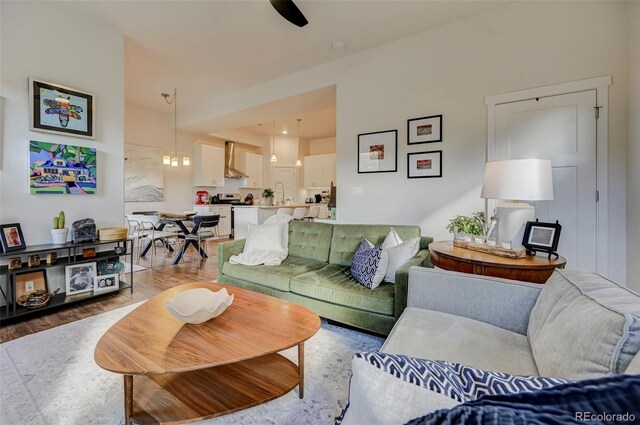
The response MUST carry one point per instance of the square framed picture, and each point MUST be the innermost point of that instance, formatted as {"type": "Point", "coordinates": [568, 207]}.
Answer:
{"type": "Point", "coordinates": [62, 110]}
{"type": "Point", "coordinates": [424, 164]}
{"type": "Point", "coordinates": [28, 282]}
{"type": "Point", "coordinates": [378, 152]}
{"type": "Point", "coordinates": [11, 237]}
{"type": "Point", "coordinates": [107, 283]}
{"type": "Point", "coordinates": [80, 278]}
{"type": "Point", "coordinates": [424, 130]}
{"type": "Point", "coordinates": [539, 236]}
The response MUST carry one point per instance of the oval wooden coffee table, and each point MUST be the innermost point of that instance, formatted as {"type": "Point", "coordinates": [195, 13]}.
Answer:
{"type": "Point", "coordinates": [177, 373]}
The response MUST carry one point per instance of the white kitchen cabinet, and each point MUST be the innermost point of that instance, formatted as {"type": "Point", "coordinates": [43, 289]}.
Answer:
{"type": "Point", "coordinates": [319, 171]}
{"type": "Point", "coordinates": [250, 164]}
{"type": "Point", "coordinates": [243, 216]}
{"type": "Point", "coordinates": [224, 211]}
{"type": "Point", "coordinates": [208, 165]}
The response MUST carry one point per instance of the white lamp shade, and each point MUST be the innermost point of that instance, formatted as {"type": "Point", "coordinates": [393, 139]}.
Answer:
{"type": "Point", "coordinates": [518, 179]}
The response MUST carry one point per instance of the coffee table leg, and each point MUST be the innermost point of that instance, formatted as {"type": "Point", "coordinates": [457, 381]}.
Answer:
{"type": "Point", "coordinates": [301, 369]}
{"type": "Point", "coordinates": [128, 399]}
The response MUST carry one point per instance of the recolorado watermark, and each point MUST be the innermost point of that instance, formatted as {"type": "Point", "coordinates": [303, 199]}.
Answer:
{"type": "Point", "coordinates": [605, 417]}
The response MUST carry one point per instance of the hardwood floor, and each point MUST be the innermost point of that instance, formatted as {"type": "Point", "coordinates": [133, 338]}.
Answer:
{"type": "Point", "coordinates": [146, 283]}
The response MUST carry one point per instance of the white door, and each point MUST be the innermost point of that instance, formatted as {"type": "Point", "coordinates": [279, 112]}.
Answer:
{"type": "Point", "coordinates": [287, 176]}
{"type": "Point", "coordinates": [563, 129]}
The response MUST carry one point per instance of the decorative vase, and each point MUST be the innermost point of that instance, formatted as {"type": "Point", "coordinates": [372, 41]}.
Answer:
{"type": "Point", "coordinates": [59, 236]}
{"type": "Point", "coordinates": [268, 201]}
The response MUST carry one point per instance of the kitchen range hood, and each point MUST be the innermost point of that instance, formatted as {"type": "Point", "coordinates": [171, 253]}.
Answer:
{"type": "Point", "coordinates": [230, 163]}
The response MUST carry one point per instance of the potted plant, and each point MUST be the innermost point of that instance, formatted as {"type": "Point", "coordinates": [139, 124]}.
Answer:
{"type": "Point", "coordinates": [58, 231]}
{"type": "Point", "coordinates": [267, 196]}
{"type": "Point", "coordinates": [467, 228]}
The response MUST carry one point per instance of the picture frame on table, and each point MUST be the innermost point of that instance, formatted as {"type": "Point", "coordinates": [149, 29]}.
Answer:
{"type": "Point", "coordinates": [424, 130]}
{"type": "Point", "coordinates": [58, 109]}
{"type": "Point", "coordinates": [542, 237]}
{"type": "Point", "coordinates": [107, 283]}
{"type": "Point", "coordinates": [378, 152]}
{"type": "Point", "coordinates": [11, 237]}
{"type": "Point", "coordinates": [422, 165]}
{"type": "Point", "coordinates": [80, 278]}
{"type": "Point", "coordinates": [30, 281]}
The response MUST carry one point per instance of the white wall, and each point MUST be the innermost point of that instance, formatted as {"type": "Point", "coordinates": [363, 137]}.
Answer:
{"type": "Point", "coordinates": [322, 146]}
{"type": "Point", "coordinates": [39, 40]}
{"type": "Point", "coordinates": [633, 157]}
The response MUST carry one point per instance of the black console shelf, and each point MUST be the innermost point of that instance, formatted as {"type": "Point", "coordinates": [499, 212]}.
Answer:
{"type": "Point", "coordinates": [73, 255]}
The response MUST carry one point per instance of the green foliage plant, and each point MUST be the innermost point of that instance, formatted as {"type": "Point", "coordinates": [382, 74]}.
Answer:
{"type": "Point", "coordinates": [267, 193]}
{"type": "Point", "coordinates": [474, 225]}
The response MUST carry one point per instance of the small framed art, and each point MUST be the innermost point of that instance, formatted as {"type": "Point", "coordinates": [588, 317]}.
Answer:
{"type": "Point", "coordinates": [80, 278]}
{"type": "Point", "coordinates": [424, 164]}
{"type": "Point", "coordinates": [378, 152]}
{"type": "Point", "coordinates": [62, 110]}
{"type": "Point", "coordinates": [107, 283]}
{"type": "Point", "coordinates": [29, 282]}
{"type": "Point", "coordinates": [424, 130]}
{"type": "Point", "coordinates": [11, 237]}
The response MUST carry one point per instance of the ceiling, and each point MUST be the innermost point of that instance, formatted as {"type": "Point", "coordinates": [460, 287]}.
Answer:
{"type": "Point", "coordinates": [313, 125]}
{"type": "Point", "coordinates": [211, 48]}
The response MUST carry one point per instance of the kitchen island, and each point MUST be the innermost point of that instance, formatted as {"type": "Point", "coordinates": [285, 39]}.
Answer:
{"type": "Point", "coordinates": [243, 215]}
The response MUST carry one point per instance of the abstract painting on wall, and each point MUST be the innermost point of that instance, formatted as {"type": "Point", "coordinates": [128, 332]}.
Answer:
{"type": "Point", "coordinates": [143, 180]}
{"type": "Point", "coordinates": [61, 169]}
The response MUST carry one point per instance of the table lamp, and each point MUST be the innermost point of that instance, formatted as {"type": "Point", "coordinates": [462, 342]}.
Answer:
{"type": "Point", "coordinates": [517, 180]}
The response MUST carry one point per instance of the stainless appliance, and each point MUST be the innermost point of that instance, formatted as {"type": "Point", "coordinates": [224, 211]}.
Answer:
{"type": "Point", "coordinates": [231, 199]}
{"type": "Point", "coordinates": [230, 170]}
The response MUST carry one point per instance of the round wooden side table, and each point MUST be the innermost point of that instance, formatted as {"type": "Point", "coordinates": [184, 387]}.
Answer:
{"type": "Point", "coordinates": [536, 269]}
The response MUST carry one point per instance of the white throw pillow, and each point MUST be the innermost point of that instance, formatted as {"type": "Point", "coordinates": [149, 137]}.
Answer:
{"type": "Point", "coordinates": [278, 218]}
{"type": "Point", "coordinates": [392, 239]}
{"type": "Point", "coordinates": [399, 255]}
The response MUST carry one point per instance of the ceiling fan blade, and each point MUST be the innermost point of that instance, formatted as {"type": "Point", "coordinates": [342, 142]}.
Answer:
{"type": "Point", "coordinates": [289, 11]}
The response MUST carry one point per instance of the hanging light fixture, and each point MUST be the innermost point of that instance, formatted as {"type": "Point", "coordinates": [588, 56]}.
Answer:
{"type": "Point", "coordinates": [173, 160]}
{"type": "Point", "coordinates": [298, 162]}
{"type": "Point", "coordinates": [274, 158]}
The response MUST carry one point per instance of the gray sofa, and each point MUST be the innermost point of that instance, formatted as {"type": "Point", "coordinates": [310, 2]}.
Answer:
{"type": "Point", "coordinates": [576, 326]}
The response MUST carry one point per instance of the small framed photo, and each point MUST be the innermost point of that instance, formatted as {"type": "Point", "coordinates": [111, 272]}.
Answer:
{"type": "Point", "coordinates": [52, 258]}
{"type": "Point", "coordinates": [424, 164]}
{"type": "Point", "coordinates": [34, 260]}
{"type": "Point", "coordinates": [61, 110]}
{"type": "Point", "coordinates": [107, 283]}
{"type": "Point", "coordinates": [11, 237]}
{"type": "Point", "coordinates": [15, 263]}
{"type": "Point", "coordinates": [378, 152]}
{"type": "Point", "coordinates": [80, 278]}
{"type": "Point", "coordinates": [539, 236]}
{"type": "Point", "coordinates": [28, 282]}
{"type": "Point", "coordinates": [424, 130]}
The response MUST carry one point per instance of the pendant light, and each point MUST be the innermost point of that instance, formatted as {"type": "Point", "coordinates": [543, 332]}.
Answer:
{"type": "Point", "coordinates": [173, 160]}
{"type": "Point", "coordinates": [274, 158]}
{"type": "Point", "coordinates": [298, 162]}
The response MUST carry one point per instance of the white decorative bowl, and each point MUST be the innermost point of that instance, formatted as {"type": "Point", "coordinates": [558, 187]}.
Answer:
{"type": "Point", "coordinates": [199, 305]}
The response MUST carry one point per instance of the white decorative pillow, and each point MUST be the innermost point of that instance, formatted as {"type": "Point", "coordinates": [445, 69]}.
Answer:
{"type": "Point", "coordinates": [266, 244]}
{"type": "Point", "coordinates": [392, 239]}
{"type": "Point", "coordinates": [278, 218]}
{"type": "Point", "coordinates": [399, 255]}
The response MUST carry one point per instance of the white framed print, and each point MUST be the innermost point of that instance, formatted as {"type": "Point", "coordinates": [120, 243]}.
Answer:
{"type": "Point", "coordinates": [107, 283]}
{"type": "Point", "coordinates": [80, 278]}
{"type": "Point", "coordinates": [424, 164]}
{"type": "Point", "coordinates": [424, 130]}
{"type": "Point", "coordinates": [378, 152]}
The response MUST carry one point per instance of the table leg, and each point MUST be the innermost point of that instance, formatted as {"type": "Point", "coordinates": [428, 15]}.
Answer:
{"type": "Point", "coordinates": [301, 369]}
{"type": "Point", "coordinates": [128, 399]}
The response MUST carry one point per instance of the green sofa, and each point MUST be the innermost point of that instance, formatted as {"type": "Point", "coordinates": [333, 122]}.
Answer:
{"type": "Point", "coordinates": [315, 274]}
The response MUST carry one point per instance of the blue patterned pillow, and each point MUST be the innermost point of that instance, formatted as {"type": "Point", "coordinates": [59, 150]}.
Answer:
{"type": "Point", "coordinates": [365, 264]}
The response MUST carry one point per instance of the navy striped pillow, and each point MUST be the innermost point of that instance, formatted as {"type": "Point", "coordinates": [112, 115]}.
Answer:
{"type": "Point", "coordinates": [365, 263]}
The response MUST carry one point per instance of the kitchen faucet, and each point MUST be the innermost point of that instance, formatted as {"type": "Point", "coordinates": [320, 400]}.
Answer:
{"type": "Point", "coordinates": [275, 189]}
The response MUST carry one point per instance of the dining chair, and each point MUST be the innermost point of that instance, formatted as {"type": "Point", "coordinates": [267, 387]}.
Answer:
{"type": "Point", "coordinates": [145, 230]}
{"type": "Point", "coordinates": [299, 213]}
{"type": "Point", "coordinates": [205, 229]}
{"type": "Point", "coordinates": [314, 212]}
{"type": "Point", "coordinates": [284, 211]}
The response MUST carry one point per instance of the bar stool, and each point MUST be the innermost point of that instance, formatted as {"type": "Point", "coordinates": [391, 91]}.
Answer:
{"type": "Point", "coordinates": [284, 211]}
{"type": "Point", "coordinates": [299, 213]}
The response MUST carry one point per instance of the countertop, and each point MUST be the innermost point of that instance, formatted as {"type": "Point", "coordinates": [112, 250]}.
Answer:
{"type": "Point", "coordinates": [278, 206]}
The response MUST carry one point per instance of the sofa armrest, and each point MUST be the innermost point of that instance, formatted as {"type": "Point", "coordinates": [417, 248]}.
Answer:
{"type": "Point", "coordinates": [499, 302]}
{"type": "Point", "coordinates": [402, 280]}
{"type": "Point", "coordinates": [226, 250]}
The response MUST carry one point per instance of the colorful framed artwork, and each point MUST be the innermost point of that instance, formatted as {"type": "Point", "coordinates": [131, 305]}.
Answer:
{"type": "Point", "coordinates": [56, 168]}
{"type": "Point", "coordinates": [424, 130]}
{"type": "Point", "coordinates": [62, 110]}
{"type": "Point", "coordinates": [80, 278]}
{"type": "Point", "coordinates": [11, 237]}
{"type": "Point", "coordinates": [107, 283]}
{"type": "Point", "coordinates": [28, 282]}
{"type": "Point", "coordinates": [424, 164]}
{"type": "Point", "coordinates": [378, 152]}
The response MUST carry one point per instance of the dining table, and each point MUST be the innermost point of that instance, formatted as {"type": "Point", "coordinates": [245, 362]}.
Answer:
{"type": "Point", "coordinates": [179, 220]}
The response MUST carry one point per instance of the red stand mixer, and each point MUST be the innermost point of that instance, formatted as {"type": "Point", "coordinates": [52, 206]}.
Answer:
{"type": "Point", "coordinates": [202, 197]}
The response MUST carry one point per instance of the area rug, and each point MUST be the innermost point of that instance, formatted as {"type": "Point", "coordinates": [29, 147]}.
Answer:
{"type": "Point", "coordinates": [50, 378]}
